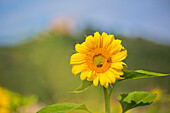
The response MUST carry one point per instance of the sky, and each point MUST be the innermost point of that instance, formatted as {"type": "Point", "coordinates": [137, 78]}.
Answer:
{"type": "Point", "coordinates": [20, 19]}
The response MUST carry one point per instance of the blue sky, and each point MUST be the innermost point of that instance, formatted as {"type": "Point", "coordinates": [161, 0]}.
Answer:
{"type": "Point", "coordinates": [146, 18]}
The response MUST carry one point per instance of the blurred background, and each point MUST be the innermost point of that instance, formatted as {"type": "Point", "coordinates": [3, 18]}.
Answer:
{"type": "Point", "coordinates": [37, 39]}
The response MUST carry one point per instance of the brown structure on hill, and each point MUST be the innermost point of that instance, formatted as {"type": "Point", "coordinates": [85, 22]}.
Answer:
{"type": "Point", "coordinates": [63, 24]}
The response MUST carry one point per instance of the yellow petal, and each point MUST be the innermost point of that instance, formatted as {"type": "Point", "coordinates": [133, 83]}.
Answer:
{"type": "Point", "coordinates": [90, 42]}
{"type": "Point", "coordinates": [97, 39]}
{"type": "Point", "coordinates": [107, 40]}
{"type": "Point", "coordinates": [116, 71]}
{"type": "Point", "coordinates": [102, 78]}
{"type": "Point", "coordinates": [118, 77]}
{"type": "Point", "coordinates": [89, 74]}
{"type": "Point", "coordinates": [78, 58]}
{"type": "Point", "coordinates": [115, 75]}
{"type": "Point", "coordinates": [106, 85]}
{"type": "Point", "coordinates": [83, 75]}
{"type": "Point", "coordinates": [96, 81]}
{"type": "Point", "coordinates": [78, 68]}
{"type": "Point", "coordinates": [123, 47]}
{"type": "Point", "coordinates": [82, 48]}
{"type": "Point", "coordinates": [111, 75]}
{"type": "Point", "coordinates": [119, 56]}
{"type": "Point", "coordinates": [104, 35]}
{"type": "Point", "coordinates": [116, 49]}
{"type": "Point", "coordinates": [118, 65]}
{"type": "Point", "coordinates": [124, 64]}
{"type": "Point", "coordinates": [90, 79]}
{"type": "Point", "coordinates": [112, 37]}
{"type": "Point", "coordinates": [115, 46]}
{"type": "Point", "coordinates": [108, 79]}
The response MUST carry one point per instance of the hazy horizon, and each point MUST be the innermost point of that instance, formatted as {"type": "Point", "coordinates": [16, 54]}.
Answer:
{"type": "Point", "coordinates": [148, 18]}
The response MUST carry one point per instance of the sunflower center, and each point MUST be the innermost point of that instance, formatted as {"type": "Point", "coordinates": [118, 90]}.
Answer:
{"type": "Point", "coordinates": [98, 60]}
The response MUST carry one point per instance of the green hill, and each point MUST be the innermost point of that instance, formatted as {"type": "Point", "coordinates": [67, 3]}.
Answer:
{"type": "Point", "coordinates": [41, 66]}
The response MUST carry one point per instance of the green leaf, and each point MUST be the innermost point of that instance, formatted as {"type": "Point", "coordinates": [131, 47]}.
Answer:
{"type": "Point", "coordinates": [135, 99]}
{"type": "Point", "coordinates": [63, 108]}
{"type": "Point", "coordinates": [85, 84]}
{"type": "Point", "coordinates": [128, 74]}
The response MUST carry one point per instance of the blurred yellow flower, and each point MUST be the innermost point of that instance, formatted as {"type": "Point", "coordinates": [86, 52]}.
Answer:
{"type": "Point", "coordinates": [116, 107]}
{"type": "Point", "coordinates": [169, 97]}
{"type": "Point", "coordinates": [120, 109]}
{"type": "Point", "coordinates": [157, 91]}
{"type": "Point", "coordinates": [4, 101]}
{"type": "Point", "coordinates": [99, 58]}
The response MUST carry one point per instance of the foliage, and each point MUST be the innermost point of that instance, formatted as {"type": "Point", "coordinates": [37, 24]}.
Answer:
{"type": "Point", "coordinates": [128, 74]}
{"type": "Point", "coordinates": [136, 99]}
{"type": "Point", "coordinates": [63, 108]}
{"type": "Point", "coordinates": [85, 84]}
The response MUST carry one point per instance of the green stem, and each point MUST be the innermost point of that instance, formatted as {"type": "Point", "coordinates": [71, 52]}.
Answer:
{"type": "Point", "coordinates": [112, 89]}
{"type": "Point", "coordinates": [107, 100]}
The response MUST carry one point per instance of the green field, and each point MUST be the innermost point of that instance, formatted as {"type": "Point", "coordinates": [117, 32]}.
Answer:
{"type": "Point", "coordinates": [41, 67]}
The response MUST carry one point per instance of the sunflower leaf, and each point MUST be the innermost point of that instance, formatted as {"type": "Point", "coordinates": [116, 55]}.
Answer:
{"type": "Point", "coordinates": [136, 99]}
{"type": "Point", "coordinates": [128, 74]}
{"type": "Point", "coordinates": [84, 85]}
{"type": "Point", "coordinates": [63, 108]}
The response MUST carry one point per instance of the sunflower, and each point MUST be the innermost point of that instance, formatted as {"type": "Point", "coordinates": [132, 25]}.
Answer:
{"type": "Point", "coordinates": [99, 59]}
{"type": "Point", "coordinates": [4, 100]}
{"type": "Point", "coordinates": [157, 91]}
